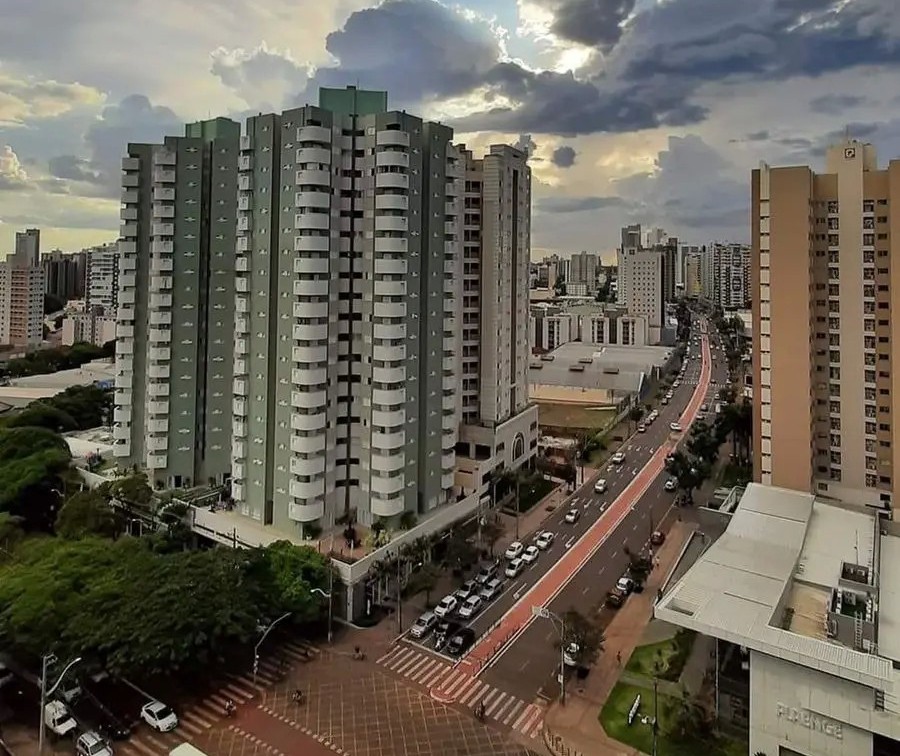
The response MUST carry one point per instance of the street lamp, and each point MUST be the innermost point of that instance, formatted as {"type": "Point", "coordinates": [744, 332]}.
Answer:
{"type": "Point", "coordinates": [560, 624]}
{"type": "Point", "coordinates": [327, 595]}
{"type": "Point", "coordinates": [260, 642]}
{"type": "Point", "coordinates": [46, 661]}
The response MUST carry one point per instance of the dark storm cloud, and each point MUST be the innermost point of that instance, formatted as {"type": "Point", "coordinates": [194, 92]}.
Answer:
{"type": "Point", "coordinates": [578, 204]}
{"type": "Point", "coordinates": [835, 104]}
{"type": "Point", "coordinates": [595, 23]}
{"type": "Point", "coordinates": [74, 169]}
{"type": "Point", "coordinates": [563, 157]}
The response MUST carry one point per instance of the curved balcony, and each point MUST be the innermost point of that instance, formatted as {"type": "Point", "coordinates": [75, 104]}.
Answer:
{"type": "Point", "coordinates": [448, 461]}
{"type": "Point", "coordinates": [392, 158]}
{"type": "Point", "coordinates": [308, 444]}
{"type": "Point", "coordinates": [391, 419]}
{"type": "Point", "coordinates": [158, 426]}
{"type": "Point", "coordinates": [391, 202]}
{"type": "Point", "coordinates": [312, 177]}
{"type": "Point", "coordinates": [389, 375]}
{"type": "Point", "coordinates": [314, 134]}
{"type": "Point", "coordinates": [390, 288]}
{"type": "Point", "coordinates": [311, 265]}
{"type": "Point", "coordinates": [158, 408]}
{"type": "Point", "coordinates": [308, 466]}
{"type": "Point", "coordinates": [388, 507]}
{"type": "Point", "coordinates": [309, 376]}
{"type": "Point", "coordinates": [393, 245]}
{"type": "Point", "coordinates": [310, 309]}
{"type": "Point", "coordinates": [159, 336]}
{"type": "Point", "coordinates": [310, 288]}
{"type": "Point", "coordinates": [388, 440]}
{"type": "Point", "coordinates": [397, 223]}
{"type": "Point", "coordinates": [309, 399]}
{"type": "Point", "coordinates": [312, 199]}
{"type": "Point", "coordinates": [310, 332]}
{"type": "Point", "coordinates": [391, 181]}
{"type": "Point", "coordinates": [239, 429]}
{"type": "Point", "coordinates": [308, 422]}
{"type": "Point", "coordinates": [447, 481]}
{"type": "Point", "coordinates": [312, 221]}
{"type": "Point", "coordinates": [309, 354]}
{"type": "Point", "coordinates": [389, 353]}
{"type": "Point", "coordinates": [386, 486]}
{"type": "Point", "coordinates": [388, 462]}
{"type": "Point", "coordinates": [389, 309]}
{"type": "Point", "coordinates": [307, 490]}
{"type": "Point", "coordinates": [312, 243]}
{"type": "Point", "coordinates": [157, 461]}
{"type": "Point", "coordinates": [383, 331]}
{"type": "Point", "coordinates": [309, 512]}
{"type": "Point", "coordinates": [449, 422]}
{"type": "Point", "coordinates": [390, 267]}
{"type": "Point", "coordinates": [392, 138]}
{"type": "Point", "coordinates": [389, 397]}
{"type": "Point", "coordinates": [314, 155]}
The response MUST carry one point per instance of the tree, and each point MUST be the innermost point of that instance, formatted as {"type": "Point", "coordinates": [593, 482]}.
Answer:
{"type": "Point", "coordinates": [132, 489]}
{"type": "Point", "coordinates": [635, 414]}
{"type": "Point", "coordinates": [11, 533]}
{"type": "Point", "coordinates": [88, 513]}
{"type": "Point", "coordinates": [583, 633]}
{"type": "Point", "coordinates": [491, 532]}
{"type": "Point", "coordinates": [460, 553]}
{"type": "Point", "coordinates": [688, 473]}
{"type": "Point", "coordinates": [41, 414]}
{"type": "Point", "coordinates": [286, 576]}
{"type": "Point", "coordinates": [688, 720]}
{"type": "Point", "coordinates": [704, 443]}
{"type": "Point", "coordinates": [425, 579]}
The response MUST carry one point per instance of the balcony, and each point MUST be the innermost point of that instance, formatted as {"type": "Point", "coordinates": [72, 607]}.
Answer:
{"type": "Point", "coordinates": [388, 507]}
{"type": "Point", "coordinates": [160, 354]}
{"type": "Point", "coordinates": [308, 376]}
{"type": "Point", "coordinates": [391, 181]}
{"type": "Point", "coordinates": [389, 397]}
{"type": "Point", "coordinates": [244, 163]}
{"type": "Point", "coordinates": [312, 221]}
{"type": "Point", "coordinates": [124, 331]}
{"type": "Point", "coordinates": [241, 347]}
{"type": "Point", "coordinates": [451, 228]}
{"type": "Point", "coordinates": [389, 309]}
{"type": "Point", "coordinates": [310, 288]}
{"type": "Point", "coordinates": [242, 265]}
{"type": "Point", "coordinates": [130, 181]}
{"type": "Point", "coordinates": [389, 331]}
{"type": "Point", "coordinates": [314, 155]}
{"type": "Point", "coordinates": [308, 422]}
{"type": "Point", "coordinates": [126, 314]}
{"type": "Point", "coordinates": [242, 326]}
{"type": "Point", "coordinates": [160, 318]}
{"type": "Point", "coordinates": [308, 399]}
{"type": "Point", "coordinates": [239, 407]}
{"type": "Point", "coordinates": [163, 194]}
{"type": "Point", "coordinates": [158, 426]}
{"type": "Point", "coordinates": [392, 158]}
{"type": "Point", "coordinates": [310, 332]}
{"type": "Point", "coordinates": [163, 157]}
{"type": "Point", "coordinates": [389, 375]}
{"type": "Point", "coordinates": [243, 244]}
{"type": "Point", "coordinates": [239, 387]}
{"type": "Point", "coordinates": [314, 134]}
{"type": "Point", "coordinates": [307, 490]}
{"type": "Point", "coordinates": [124, 363]}
{"type": "Point", "coordinates": [128, 214]}
{"type": "Point", "coordinates": [245, 183]}
{"type": "Point", "coordinates": [126, 297]}
{"type": "Point", "coordinates": [157, 443]}
{"type": "Point", "coordinates": [246, 144]}
{"type": "Point", "coordinates": [240, 367]}
{"type": "Point", "coordinates": [387, 463]}
{"type": "Point", "coordinates": [307, 466]}
{"type": "Point", "coordinates": [390, 288]}
{"type": "Point", "coordinates": [312, 243]}
{"type": "Point", "coordinates": [312, 177]}
{"type": "Point", "coordinates": [309, 354]}
{"type": "Point", "coordinates": [158, 408]}
{"type": "Point", "coordinates": [128, 230]}
{"type": "Point", "coordinates": [124, 347]}
{"type": "Point", "coordinates": [127, 248]}
{"type": "Point", "coordinates": [157, 461]}
{"type": "Point", "coordinates": [397, 223]}
{"type": "Point", "coordinates": [391, 245]}
{"type": "Point", "coordinates": [244, 203]}
{"type": "Point", "coordinates": [239, 429]}
{"type": "Point", "coordinates": [159, 336]}
{"type": "Point", "coordinates": [162, 247]}
{"type": "Point", "coordinates": [387, 486]}
{"type": "Point", "coordinates": [158, 389]}
{"type": "Point", "coordinates": [163, 176]}
{"type": "Point", "coordinates": [310, 309]}
{"type": "Point", "coordinates": [242, 286]}
{"type": "Point", "coordinates": [311, 265]}
{"type": "Point", "coordinates": [122, 397]}
{"type": "Point", "coordinates": [158, 371]}
{"type": "Point", "coordinates": [392, 138]}
{"type": "Point", "coordinates": [384, 419]}
{"type": "Point", "coordinates": [122, 415]}
{"type": "Point", "coordinates": [389, 266]}
{"type": "Point", "coordinates": [162, 229]}
{"type": "Point", "coordinates": [160, 283]}
{"type": "Point", "coordinates": [159, 300]}
{"type": "Point", "coordinates": [391, 202]}
{"type": "Point", "coordinates": [312, 199]}
{"type": "Point", "coordinates": [244, 223]}
{"type": "Point", "coordinates": [308, 444]}
{"type": "Point", "coordinates": [163, 210]}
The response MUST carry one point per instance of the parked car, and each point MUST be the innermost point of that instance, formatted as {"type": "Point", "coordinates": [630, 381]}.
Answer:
{"type": "Point", "coordinates": [615, 599]}
{"type": "Point", "coordinates": [446, 606]}
{"type": "Point", "coordinates": [671, 484]}
{"type": "Point", "coordinates": [676, 427]}
{"type": "Point", "coordinates": [514, 568]}
{"type": "Point", "coordinates": [657, 538]}
{"type": "Point", "coordinates": [461, 642]}
{"type": "Point", "coordinates": [704, 407]}
{"type": "Point", "coordinates": [487, 573]}
{"type": "Point", "coordinates": [58, 719]}
{"type": "Point", "coordinates": [444, 632]}
{"type": "Point", "coordinates": [424, 625]}
{"type": "Point", "coordinates": [618, 458]}
{"type": "Point", "coordinates": [642, 428]}
{"type": "Point", "coordinates": [491, 589]}
{"type": "Point", "coordinates": [530, 555]}
{"type": "Point", "coordinates": [471, 606]}
{"type": "Point", "coordinates": [625, 585]}
{"type": "Point", "coordinates": [545, 540]}
{"type": "Point", "coordinates": [91, 744]}
{"type": "Point", "coordinates": [159, 716]}
{"type": "Point", "coordinates": [570, 655]}
{"type": "Point", "coordinates": [467, 589]}
{"type": "Point", "coordinates": [514, 551]}
{"type": "Point", "coordinates": [600, 486]}
{"type": "Point", "coordinates": [572, 516]}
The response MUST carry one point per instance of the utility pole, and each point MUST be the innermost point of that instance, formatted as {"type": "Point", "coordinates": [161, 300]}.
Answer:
{"type": "Point", "coordinates": [399, 595]}
{"type": "Point", "coordinates": [655, 716]}
{"type": "Point", "coordinates": [46, 661]}
{"type": "Point", "coordinates": [260, 642]}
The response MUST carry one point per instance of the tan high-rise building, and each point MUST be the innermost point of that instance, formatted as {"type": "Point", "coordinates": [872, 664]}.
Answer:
{"type": "Point", "coordinates": [22, 293]}
{"type": "Point", "coordinates": [826, 391]}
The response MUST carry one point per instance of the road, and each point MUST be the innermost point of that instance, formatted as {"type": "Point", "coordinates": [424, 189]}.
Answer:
{"type": "Point", "coordinates": [516, 653]}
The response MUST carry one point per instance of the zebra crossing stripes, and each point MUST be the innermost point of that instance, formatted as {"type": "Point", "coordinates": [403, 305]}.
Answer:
{"type": "Point", "coordinates": [431, 671]}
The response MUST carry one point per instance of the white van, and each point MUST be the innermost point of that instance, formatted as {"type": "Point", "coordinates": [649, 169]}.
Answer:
{"type": "Point", "coordinates": [600, 486]}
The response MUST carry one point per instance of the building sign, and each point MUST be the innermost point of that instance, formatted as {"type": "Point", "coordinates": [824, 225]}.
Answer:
{"type": "Point", "coordinates": [810, 720]}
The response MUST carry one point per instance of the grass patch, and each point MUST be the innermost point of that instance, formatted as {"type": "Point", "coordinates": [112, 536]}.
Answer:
{"type": "Point", "coordinates": [532, 492]}
{"type": "Point", "coordinates": [665, 659]}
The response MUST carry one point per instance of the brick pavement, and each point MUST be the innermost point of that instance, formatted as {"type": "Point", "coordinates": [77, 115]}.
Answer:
{"type": "Point", "coordinates": [576, 724]}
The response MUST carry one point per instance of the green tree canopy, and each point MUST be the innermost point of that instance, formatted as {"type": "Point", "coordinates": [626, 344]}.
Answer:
{"type": "Point", "coordinates": [87, 513]}
{"type": "Point", "coordinates": [42, 414]}
{"type": "Point", "coordinates": [287, 574]}
{"type": "Point", "coordinates": [132, 489]}
{"type": "Point", "coordinates": [581, 631]}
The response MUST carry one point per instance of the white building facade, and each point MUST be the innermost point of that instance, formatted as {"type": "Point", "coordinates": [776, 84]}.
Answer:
{"type": "Point", "coordinates": [102, 278]}
{"type": "Point", "coordinates": [640, 286]}
{"type": "Point", "coordinates": [730, 264]}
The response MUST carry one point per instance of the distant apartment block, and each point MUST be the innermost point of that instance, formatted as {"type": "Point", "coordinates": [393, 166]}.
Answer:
{"type": "Point", "coordinates": [92, 328]}
{"type": "Point", "coordinates": [22, 293]}
{"type": "Point", "coordinates": [642, 276]}
{"type": "Point", "coordinates": [64, 274]}
{"type": "Point", "coordinates": [693, 273]}
{"type": "Point", "coordinates": [823, 290]}
{"type": "Point", "coordinates": [175, 315]}
{"type": "Point", "coordinates": [102, 278]}
{"type": "Point", "coordinates": [614, 328]}
{"type": "Point", "coordinates": [583, 269]}
{"type": "Point", "coordinates": [550, 328]}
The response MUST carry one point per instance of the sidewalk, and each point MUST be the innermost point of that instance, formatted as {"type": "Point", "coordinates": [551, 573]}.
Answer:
{"type": "Point", "coordinates": [576, 724]}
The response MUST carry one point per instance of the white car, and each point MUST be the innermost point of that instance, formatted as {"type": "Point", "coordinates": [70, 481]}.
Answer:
{"type": "Point", "coordinates": [618, 458]}
{"type": "Point", "coordinates": [471, 606]}
{"type": "Point", "coordinates": [491, 589]}
{"type": "Point", "coordinates": [675, 427]}
{"type": "Point", "coordinates": [515, 550]}
{"type": "Point", "coordinates": [642, 428]}
{"type": "Point", "coordinates": [446, 606]}
{"type": "Point", "coordinates": [514, 568]}
{"type": "Point", "coordinates": [625, 584]}
{"type": "Point", "coordinates": [570, 655]}
{"type": "Point", "coordinates": [572, 516]}
{"type": "Point", "coordinates": [422, 626]}
{"type": "Point", "coordinates": [159, 716]}
{"type": "Point", "coordinates": [600, 486]}
{"type": "Point", "coordinates": [91, 744]}
{"type": "Point", "coordinates": [530, 555]}
{"type": "Point", "coordinates": [545, 540]}
{"type": "Point", "coordinates": [58, 719]}
{"type": "Point", "coordinates": [671, 484]}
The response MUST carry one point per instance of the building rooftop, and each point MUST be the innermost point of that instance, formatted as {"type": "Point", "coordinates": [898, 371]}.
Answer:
{"type": "Point", "coordinates": [787, 569]}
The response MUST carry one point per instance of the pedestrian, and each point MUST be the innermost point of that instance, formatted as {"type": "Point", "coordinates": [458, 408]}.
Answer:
{"type": "Point", "coordinates": [619, 658]}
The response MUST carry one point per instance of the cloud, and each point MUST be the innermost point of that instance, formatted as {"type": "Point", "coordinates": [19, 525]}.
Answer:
{"type": "Point", "coordinates": [23, 99]}
{"type": "Point", "coordinates": [757, 136]}
{"type": "Point", "coordinates": [12, 174]}
{"type": "Point", "coordinates": [595, 23]}
{"type": "Point", "coordinates": [835, 104]}
{"type": "Point", "coordinates": [262, 77]}
{"type": "Point", "coordinates": [74, 169]}
{"type": "Point", "coordinates": [563, 157]}
{"type": "Point", "coordinates": [526, 144]}
{"type": "Point", "coordinates": [578, 204]}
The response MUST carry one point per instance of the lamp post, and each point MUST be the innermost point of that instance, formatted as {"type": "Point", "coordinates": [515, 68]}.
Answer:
{"type": "Point", "coordinates": [260, 642]}
{"type": "Point", "coordinates": [46, 661]}
{"type": "Point", "coordinates": [560, 625]}
{"type": "Point", "coordinates": [327, 594]}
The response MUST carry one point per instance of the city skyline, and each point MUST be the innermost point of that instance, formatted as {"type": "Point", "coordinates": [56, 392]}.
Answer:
{"type": "Point", "coordinates": [670, 146]}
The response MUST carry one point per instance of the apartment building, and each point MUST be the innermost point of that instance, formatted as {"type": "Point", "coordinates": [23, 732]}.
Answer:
{"type": "Point", "coordinates": [64, 274]}
{"type": "Point", "coordinates": [90, 327]}
{"type": "Point", "coordinates": [583, 269]}
{"type": "Point", "coordinates": [729, 270]}
{"type": "Point", "coordinates": [550, 328]}
{"type": "Point", "coordinates": [175, 315]}
{"type": "Point", "coordinates": [102, 279]}
{"type": "Point", "coordinates": [693, 274]}
{"type": "Point", "coordinates": [826, 389]}
{"type": "Point", "coordinates": [641, 285]}
{"type": "Point", "coordinates": [614, 328]}
{"type": "Point", "coordinates": [22, 293]}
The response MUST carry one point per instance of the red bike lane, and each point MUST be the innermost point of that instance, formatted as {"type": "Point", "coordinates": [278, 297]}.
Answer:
{"type": "Point", "coordinates": [519, 617]}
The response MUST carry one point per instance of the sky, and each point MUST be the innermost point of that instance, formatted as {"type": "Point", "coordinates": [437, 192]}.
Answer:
{"type": "Point", "coordinates": [648, 111]}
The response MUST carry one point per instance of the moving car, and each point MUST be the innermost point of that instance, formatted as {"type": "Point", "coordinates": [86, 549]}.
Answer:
{"type": "Point", "coordinates": [461, 642]}
{"type": "Point", "coordinates": [545, 540]}
{"type": "Point", "coordinates": [671, 484]}
{"type": "Point", "coordinates": [514, 568]}
{"type": "Point", "coordinates": [444, 632]}
{"type": "Point", "coordinates": [471, 606]}
{"type": "Point", "coordinates": [58, 719]}
{"type": "Point", "coordinates": [446, 606]}
{"type": "Point", "coordinates": [91, 744]}
{"type": "Point", "coordinates": [515, 550]}
{"type": "Point", "coordinates": [615, 598]}
{"type": "Point", "coordinates": [600, 486]}
{"type": "Point", "coordinates": [491, 589]}
{"type": "Point", "coordinates": [424, 625]}
{"type": "Point", "coordinates": [159, 716]}
{"type": "Point", "coordinates": [618, 458]}
{"type": "Point", "coordinates": [570, 655]}
{"type": "Point", "coordinates": [625, 585]}
{"type": "Point", "coordinates": [572, 516]}
{"type": "Point", "coordinates": [642, 428]}
{"type": "Point", "coordinates": [487, 573]}
{"type": "Point", "coordinates": [675, 427]}
{"type": "Point", "coordinates": [530, 555]}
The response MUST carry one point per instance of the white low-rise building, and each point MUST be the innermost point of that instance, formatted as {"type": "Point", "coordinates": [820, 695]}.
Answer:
{"type": "Point", "coordinates": [88, 327]}
{"type": "Point", "coordinates": [805, 588]}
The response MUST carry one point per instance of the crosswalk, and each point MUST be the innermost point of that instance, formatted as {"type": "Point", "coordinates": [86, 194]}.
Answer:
{"type": "Point", "coordinates": [457, 684]}
{"type": "Point", "coordinates": [196, 720]}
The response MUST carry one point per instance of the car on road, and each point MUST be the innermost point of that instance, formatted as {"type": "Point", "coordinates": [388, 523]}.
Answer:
{"type": "Point", "coordinates": [461, 642]}
{"type": "Point", "coordinates": [465, 590]}
{"type": "Point", "coordinates": [572, 516]}
{"type": "Point", "coordinates": [676, 384]}
{"type": "Point", "coordinates": [487, 573]}
{"type": "Point", "coordinates": [444, 632]}
{"type": "Point", "coordinates": [515, 568]}
{"type": "Point", "coordinates": [159, 716]}
{"type": "Point", "coordinates": [665, 401]}
{"type": "Point", "coordinates": [615, 598]}
{"type": "Point", "coordinates": [570, 655]}
{"type": "Point", "coordinates": [58, 719]}
{"type": "Point", "coordinates": [671, 484]}
{"type": "Point", "coordinates": [676, 427]}
{"type": "Point", "coordinates": [625, 584]}
{"type": "Point", "coordinates": [491, 589]}
{"type": "Point", "coordinates": [657, 538]}
{"type": "Point", "coordinates": [515, 550]}
{"type": "Point", "coordinates": [424, 625]}
{"type": "Point", "coordinates": [446, 606]}
{"type": "Point", "coordinates": [600, 486]}
{"type": "Point", "coordinates": [618, 458]}
{"type": "Point", "coordinates": [470, 607]}
{"type": "Point", "coordinates": [530, 555]}
{"type": "Point", "coordinates": [91, 744]}
{"type": "Point", "coordinates": [704, 407]}
{"type": "Point", "coordinates": [545, 540]}
{"type": "Point", "coordinates": [642, 428]}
